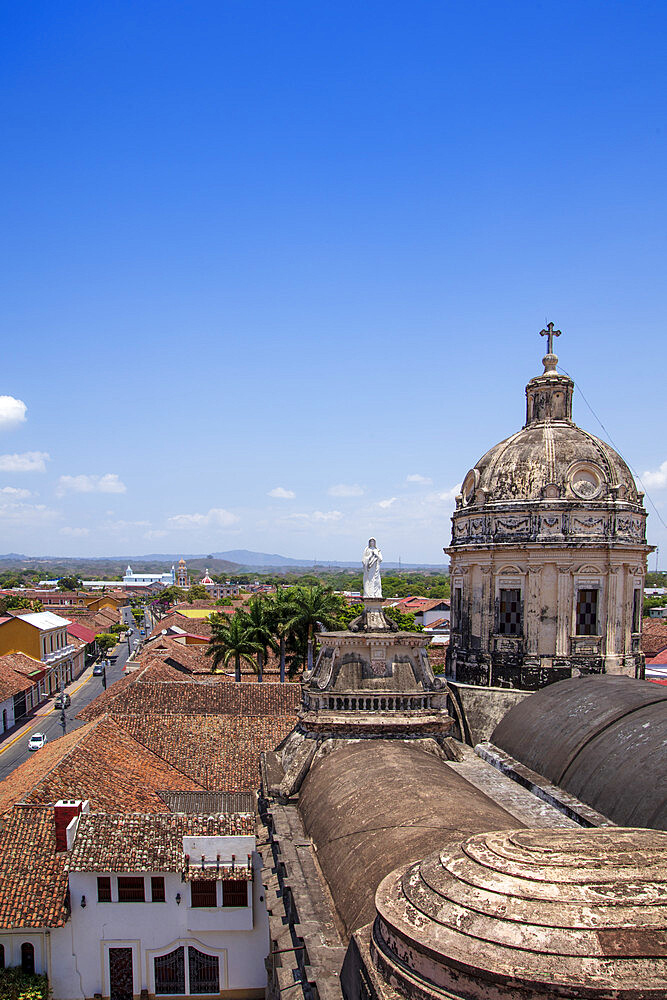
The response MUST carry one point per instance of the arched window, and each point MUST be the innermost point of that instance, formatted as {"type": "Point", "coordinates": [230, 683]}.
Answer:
{"type": "Point", "coordinates": [27, 957]}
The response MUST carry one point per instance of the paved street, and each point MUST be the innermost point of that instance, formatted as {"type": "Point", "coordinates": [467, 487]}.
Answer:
{"type": "Point", "coordinates": [46, 719]}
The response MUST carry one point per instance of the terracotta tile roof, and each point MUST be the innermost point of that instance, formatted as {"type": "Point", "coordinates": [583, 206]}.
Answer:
{"type": "Point", "coordinates": [197, 698]}
{"type": "Point", "coordinates": [11, 681]}
{"type": "Point", "coordinates": [99, 762]}
{"type": "Point", "coordinates": [419, 604]}
{"type": "Point", "coordinates": [195, 626]}
{"type": "Point", "coordinates": [138, 842]}
{"type": "Point", "coordinates": [24, 664]}
{"type": "Point", "coordinates": [654, 636]}
{"type": "Point", "coordinates": [220, 752]}
{"type": "Point", "coordinates": [32, 875]}
{"type": "Point", "coordinates": [210, 604]}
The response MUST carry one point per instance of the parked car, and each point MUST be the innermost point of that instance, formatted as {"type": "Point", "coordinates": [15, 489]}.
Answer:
{"type": "Point", "coordinates": [98, 670]}
{"type": "Point", "coordinates": [62, 701]}
{"type": "Point", "coordinates": [36, 741]}
{"type": "Point", "coordinates": [143, 631]}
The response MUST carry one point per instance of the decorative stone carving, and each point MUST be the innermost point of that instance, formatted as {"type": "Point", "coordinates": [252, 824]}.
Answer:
{"type": "Point", "coordinates": [512, 524]}
{"type": "Point", "coordinates": [588, 525]}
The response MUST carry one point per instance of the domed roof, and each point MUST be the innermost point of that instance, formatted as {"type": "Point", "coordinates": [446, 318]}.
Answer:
{"type": "Point", "coordinates": [550, 458]}
{"type": "Point", "coordinates": [542, 913]}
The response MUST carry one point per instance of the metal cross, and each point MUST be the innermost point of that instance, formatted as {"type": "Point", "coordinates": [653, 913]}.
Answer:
{"type": "Point", "coordinates": [550, 333]}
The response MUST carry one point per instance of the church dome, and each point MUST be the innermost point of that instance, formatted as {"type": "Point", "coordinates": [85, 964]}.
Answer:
{"type": "Point", "coordinates": [550, 457]}
{"type": "Point", "coordinates": [546, 914]}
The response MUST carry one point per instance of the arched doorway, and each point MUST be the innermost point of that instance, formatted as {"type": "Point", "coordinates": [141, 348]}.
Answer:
{"type": "Point", "coordinates": [28, 958]}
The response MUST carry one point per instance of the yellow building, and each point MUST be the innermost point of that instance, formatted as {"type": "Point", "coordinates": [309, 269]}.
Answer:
{"type": "Point", "coordinates": [41, 635]}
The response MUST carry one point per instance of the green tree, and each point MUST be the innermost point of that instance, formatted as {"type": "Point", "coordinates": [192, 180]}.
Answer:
{"type": "Point", "coordinates": [14, 602]}
{"type": "Point", "coordinates": [404, 619]}
{"type": "Point", "coordinates": [230, 639]}
{"type": "Point", "coordinates": [315, 607]}
{"type": "Point", "coordinates": [224, 602]}
{"type": "Point", "coordinates": [69, 583]}
{"type": "Point", "coordinates": [197, 592]}
{"type": "Point", "coordinates": [168, 596]}
{"type": "Point", "coordinates": [18, 985]}
{"type": "Point", "coordinates": [282, 610]}
{"type": "Point", "coordinates": [259, 624]}
{"type": "Point", "coordinates": [106, 641]}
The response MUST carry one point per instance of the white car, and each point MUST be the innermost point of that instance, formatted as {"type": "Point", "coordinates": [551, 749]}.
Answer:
{"type": "Point", "coordinates": [36, 741]}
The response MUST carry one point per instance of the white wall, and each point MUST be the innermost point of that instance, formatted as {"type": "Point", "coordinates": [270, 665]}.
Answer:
{"type": "Point", "coordinates": [8, 707]}
{"type": "Point", "coordinates": [240, 937]}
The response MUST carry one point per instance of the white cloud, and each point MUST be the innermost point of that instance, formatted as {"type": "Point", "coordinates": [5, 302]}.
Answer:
{"type": "Point", "coordinates": [15, 493]}
{"type": "Point", "coordinates": [108, 483]}
{"type": "Point", "coordinates": [416, 478]}
{"type": "Point", "coordinates": [316, 517]}
{"type": "Point", "coordinates": [280, 493]}
{"type": "Point", "coordinates": [387, 503]}
{"type": "Point", "coordinates": [450, 495]}
{"type": "Point", "coordinates": [345, 490]}
{"type": "Point", "coordinates": [28, 461]}
{"type": "Point", "coordinates": [155, 533]}
{"type": "Point", "coordinates": [24, 515]}
{"type": "Point", "coordinates": [215, 518]}
{"type": "Point", "coordinates": [656, 478]}
{"type": "Point", "coordinates": [12, 412]}
{"type": "Point", "coordinates": [75, 532]}
{"type": "Point", "coordinates": [124, 526]}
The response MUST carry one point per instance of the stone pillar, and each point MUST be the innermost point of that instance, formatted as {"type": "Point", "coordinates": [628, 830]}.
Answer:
{"type": "Point", "coordinates": [487, 609]}
{"type": "Point", "coordinates": [615, 603]}
{"type": "Point", "coordinates": [531, 611]}
{"type": "Point", "coordinates": [564, 611]}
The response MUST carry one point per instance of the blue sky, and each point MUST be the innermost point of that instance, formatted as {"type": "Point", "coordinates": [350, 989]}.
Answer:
{"type": "Point", "coordinates": [308, 247]}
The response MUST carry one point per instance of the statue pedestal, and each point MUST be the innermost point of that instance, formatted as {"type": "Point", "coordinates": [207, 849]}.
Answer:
{"type": "Point", "coordinates": [375, 620]}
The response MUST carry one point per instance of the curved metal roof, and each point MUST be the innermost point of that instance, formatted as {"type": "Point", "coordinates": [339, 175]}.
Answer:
{"type": "Point", "coordinates": [603, 739]}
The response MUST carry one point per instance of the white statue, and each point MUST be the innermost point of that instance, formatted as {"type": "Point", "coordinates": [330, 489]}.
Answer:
{"type": "Point", "coordinates": [371, 560]}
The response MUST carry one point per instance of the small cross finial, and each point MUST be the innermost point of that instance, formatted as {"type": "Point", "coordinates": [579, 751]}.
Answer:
{"type": "Point", "coordinates": [550, 333]}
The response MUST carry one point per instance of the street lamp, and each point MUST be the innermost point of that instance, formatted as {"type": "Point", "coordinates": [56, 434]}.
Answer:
{"type": "Point", "coordinates": [104, 674]}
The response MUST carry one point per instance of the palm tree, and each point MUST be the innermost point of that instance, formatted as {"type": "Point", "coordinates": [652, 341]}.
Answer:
{"type": "Point", "coordinates": [315, 608]}
{"type": "Point", "coordinates": [258, 624]}
{"type": "Point", "coordinates": [229, 638]}
{"type": "Point", "coordinates": [282, 610]}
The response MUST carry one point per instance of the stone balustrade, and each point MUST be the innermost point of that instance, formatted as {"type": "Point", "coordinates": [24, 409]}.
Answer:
{"type": "Point", "coordinates": [363, 701]}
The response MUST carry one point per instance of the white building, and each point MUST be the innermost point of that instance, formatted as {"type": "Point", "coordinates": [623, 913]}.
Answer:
{"type": "Point", "coordinates": [146, 579]}
{"type": "Point", "coordinates": [168, 903]}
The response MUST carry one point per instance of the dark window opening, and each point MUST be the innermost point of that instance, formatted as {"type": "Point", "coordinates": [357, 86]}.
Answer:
{"type": "Point", "coordinates": [27, 958]}
{"type": "Point", "coordinates": [2, 956]}
{"type": "Point", "coordinates": [458, 602]}
{"type": "Point", "coordinates": [170, 972]}
{"type": "Point", "coordinates": [203, 892]}
{"type": "Point", "coordinates": [587, 612]}
{"type": "Point", "coordinates": [509, 613]}
{"type": "Point", "coordinates": [234, 892]}
{"type": "Point", "coordinates": [204, 972]}
{"type": "Point", "coordinates": [637, 611]}
{"type": "Point", "coordinates": [103, 889]}
{"type": "Point", "coordinates": [157, 888]}
{"type": "Point", "coordinates": [130, 889]}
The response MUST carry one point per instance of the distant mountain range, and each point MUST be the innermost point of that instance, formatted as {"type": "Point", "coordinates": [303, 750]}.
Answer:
{"type": "Point", "coordinates": [235, 560]}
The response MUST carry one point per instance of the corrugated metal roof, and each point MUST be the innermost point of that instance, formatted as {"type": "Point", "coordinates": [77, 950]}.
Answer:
{"type": "Point", "coordinates": [209, 802]}
{"type": "Point", "coordinates": [44, 620]}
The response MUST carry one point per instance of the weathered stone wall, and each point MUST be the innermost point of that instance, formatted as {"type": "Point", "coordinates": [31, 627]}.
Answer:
{"type": "Point", "coordinates": [482, 708]}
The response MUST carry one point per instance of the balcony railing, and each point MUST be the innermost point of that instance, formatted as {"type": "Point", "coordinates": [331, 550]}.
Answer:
{"type": "Point", "coordinates": [58, 654]}
{"type": "Point", "coordinates": [364, 702]}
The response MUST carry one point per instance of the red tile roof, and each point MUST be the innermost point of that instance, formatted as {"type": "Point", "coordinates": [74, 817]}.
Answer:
{"type": "Point", "coordinates": [100, 762]}
{"type": "Point", "coordinates": [219, 752]}
{"type": "Point", "coordinates": [654, 636]}
{"type": "Point", "coordinates": [32, 875]}
{"type": "Point", "coordinates": [11, 681]}
{"type": "Point", "coordinates": [150, 843]}
{"type": "Point", "coordinates": [24, 664]}
{"type": "Point", "coordinates": [197, 698]}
